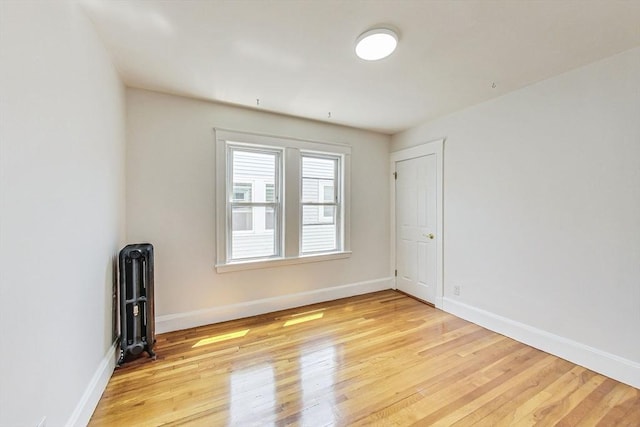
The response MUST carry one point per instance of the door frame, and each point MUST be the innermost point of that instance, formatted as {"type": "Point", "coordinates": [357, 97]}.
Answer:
{"type": "Point", "coordinates": [436, 148]}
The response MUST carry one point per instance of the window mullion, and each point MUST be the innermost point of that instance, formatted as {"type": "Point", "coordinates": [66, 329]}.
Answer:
{"type": "Point", "coordinates": [337, 197]}
{"type": "Point", "coordinates": [291, 207]}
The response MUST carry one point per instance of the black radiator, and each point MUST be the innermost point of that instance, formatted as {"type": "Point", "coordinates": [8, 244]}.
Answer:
{"type": "Point", "coordinates": [137, 329]}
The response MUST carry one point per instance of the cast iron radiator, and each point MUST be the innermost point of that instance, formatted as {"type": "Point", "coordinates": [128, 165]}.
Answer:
{"type": "Point", "coordinates": [137, 329]}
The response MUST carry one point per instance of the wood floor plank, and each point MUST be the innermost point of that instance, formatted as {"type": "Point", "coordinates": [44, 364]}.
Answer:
{"type": "Point", "coordinates": [619, 413]}
{"type": "Point", "coordinates": [377, 359]}
{"type": "Point", "coordinates": [565, 401]}
{"type": "Point", "coordinates": [517, 394]}
{"type": "Point", "coordinates": [458, 396]}
{"type": "Point", "coordinates": [533, 410]}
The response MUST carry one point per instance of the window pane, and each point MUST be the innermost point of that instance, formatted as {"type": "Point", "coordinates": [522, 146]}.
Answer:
{"type": "Point", "coordinates": [251, 236]}
{"type": "Point", "coordinates": [318, 177]}
{"type": "Point", "coordinates": [241, 192]}
{"type": "Point", "coordinates": [253, 179]}
{"type": "Point", "coordinates": [269, 218]}
{"type": "Point", "coordinates": [270, 193]}
{"type": "Point", "coordinates": [317, 235]}
{"type": "Point", "coordinates": [328, 213]}
{"type": "Point", "coordinates": [257, 168]}
{"type": "Point", "coordinates": [327, 192]}
{"type": "Point", "coordinates": [242, 219]}
{"type": "Point", "coordinates": [314, 167]}
{"type": "Point", "coordinates": [318, 215]}
{"type": "Point", "coordinates": [316, 190]}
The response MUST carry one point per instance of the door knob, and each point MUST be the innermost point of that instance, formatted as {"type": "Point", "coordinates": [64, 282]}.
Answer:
{"type": "Point", "coordinates": [430, 236]}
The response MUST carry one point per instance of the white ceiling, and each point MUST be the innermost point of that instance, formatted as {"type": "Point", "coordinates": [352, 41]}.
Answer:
{"type": "Point", "coordinates": [298, 57]}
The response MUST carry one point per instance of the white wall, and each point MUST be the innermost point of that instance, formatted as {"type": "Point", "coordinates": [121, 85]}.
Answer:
{"type": "Point", "coordinates": [170, 203]}
{"type": "Point", "coordinates": [542, 210]}
{"type": "Point", "coordinates": [61, 211]}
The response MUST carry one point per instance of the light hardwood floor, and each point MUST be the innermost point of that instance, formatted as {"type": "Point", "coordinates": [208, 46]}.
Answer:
{"type": "Point", "coordinates": [377, 359]}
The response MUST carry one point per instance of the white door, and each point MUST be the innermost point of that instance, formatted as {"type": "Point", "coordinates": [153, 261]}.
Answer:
{"type": "Point", "coordinates": [416, 226]}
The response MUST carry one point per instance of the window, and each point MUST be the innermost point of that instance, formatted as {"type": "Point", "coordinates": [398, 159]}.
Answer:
{"type": "Point", "coordinates": [263, 219]}
{"type": "Point", "coordinates": [253, 202]}
{"type": "Point", "coordinates": [320, 203]}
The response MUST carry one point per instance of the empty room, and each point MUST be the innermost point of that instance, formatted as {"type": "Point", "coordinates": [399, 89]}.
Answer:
{"type": "Point", "coordinates": [319, 213]}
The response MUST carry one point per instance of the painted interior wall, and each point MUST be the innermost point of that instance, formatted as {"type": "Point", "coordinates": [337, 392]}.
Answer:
{"type": "Point", "coordinates": [542, 205]}
{"type": "Point", "coordinates": [170, 203]}
{"type": "Point", "coordinates": [62, 147]}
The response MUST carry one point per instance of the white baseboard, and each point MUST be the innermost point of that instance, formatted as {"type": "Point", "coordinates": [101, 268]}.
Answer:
{"type": "Point", "coordinates": [618, 368]}
{"type": "Point", "coordinates": [91, 396]}
{"type": "Point", "coordinates": [176, 322]}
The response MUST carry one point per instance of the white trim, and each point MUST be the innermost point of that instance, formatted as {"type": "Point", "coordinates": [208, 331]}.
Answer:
{"type": "Point", "coordinates": [277, 205]}
{"type": "Point", "coordinates": [269, 263]}
{"type": "Point", "coordinates": [283, 141]}
{"type": "Point", "coordinates": [220, 213]}
{"type": "Point", "coordinates": [434, 147]}
{"type": "Point", "coordinates": [207, 316]}
{"type": "Point", "coordinates": [91, 396]}
{"type": "Point", "coordinates": [616, 367]}
{"type": "Point", "coordinates": [291, 218]}
{"type": "Point", "coordinates": [431, 147]}
{"type": "Point", "coordinates": [338, 199]}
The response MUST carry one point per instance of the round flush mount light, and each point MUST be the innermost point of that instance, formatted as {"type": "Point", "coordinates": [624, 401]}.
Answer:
{"type": "Point", "coordinates": [376, 44]}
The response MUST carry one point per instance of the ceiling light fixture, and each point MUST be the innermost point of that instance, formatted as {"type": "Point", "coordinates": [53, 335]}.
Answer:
{"type": "Point", "coordinates": [376, 44]}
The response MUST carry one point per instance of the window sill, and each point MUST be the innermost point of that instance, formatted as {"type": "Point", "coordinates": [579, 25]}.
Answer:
{"type": "Point", "coordinates": [269, 263]}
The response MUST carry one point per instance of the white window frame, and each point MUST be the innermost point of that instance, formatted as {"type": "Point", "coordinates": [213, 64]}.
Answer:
{"type": "Point", "coordinates": [290, 192]}
{"type": "Point", "coordinates": [337, 199]}
{"type": "Point", "coordinates": [277, 204]}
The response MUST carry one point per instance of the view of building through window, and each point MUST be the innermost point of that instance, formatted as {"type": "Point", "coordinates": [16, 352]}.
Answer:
{"type": "Point", "coordinates": [254, 203]}
{"type": "Point", "coordinates": [320, 204]}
